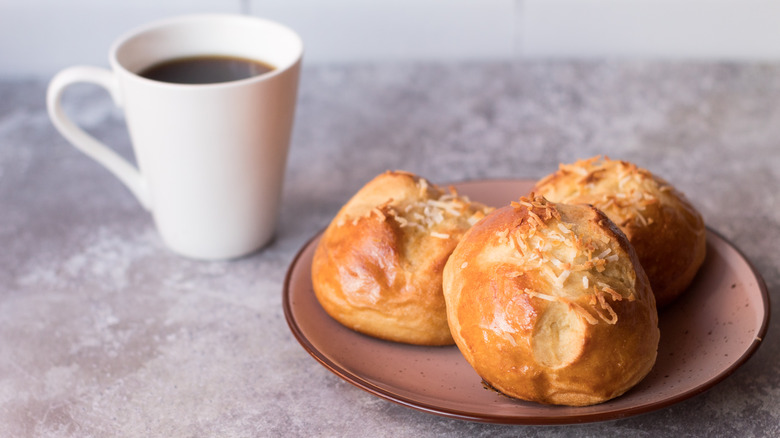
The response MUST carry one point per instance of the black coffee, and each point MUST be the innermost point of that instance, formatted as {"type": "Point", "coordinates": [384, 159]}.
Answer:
{"type": "Point", "coordinates": [205, 69]}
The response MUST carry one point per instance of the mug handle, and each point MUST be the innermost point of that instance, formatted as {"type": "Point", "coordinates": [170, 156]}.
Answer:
{"type": "Point", "coordinates": [86, 143]}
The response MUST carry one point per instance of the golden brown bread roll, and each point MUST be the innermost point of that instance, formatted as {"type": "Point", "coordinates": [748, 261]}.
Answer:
{"type": "Point", "coordinates": [378, 266]}
{"type": "Point", "coordinates": [549, 304]}
{"type": "Point", "coordinates": [665, 229]}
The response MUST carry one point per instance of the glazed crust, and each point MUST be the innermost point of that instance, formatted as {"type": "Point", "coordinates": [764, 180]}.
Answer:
{"type": "Point", "coordinates": [377, 268]}
{"type": "Point", "coordinates": [667, 232]}
{"type": "Point", "coordinates": [548, 303]}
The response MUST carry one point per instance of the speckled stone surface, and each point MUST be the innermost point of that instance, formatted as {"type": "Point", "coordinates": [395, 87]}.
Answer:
{"type": "Point", "coordinates": [104, 332]}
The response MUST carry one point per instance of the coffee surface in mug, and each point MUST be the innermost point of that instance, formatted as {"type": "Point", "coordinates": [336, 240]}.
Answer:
{"type": "Point", "coordinates": [206, 69]}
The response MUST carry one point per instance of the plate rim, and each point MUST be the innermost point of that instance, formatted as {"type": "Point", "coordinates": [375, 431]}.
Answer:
{"type": "Point", "coordinates": [388, 395]}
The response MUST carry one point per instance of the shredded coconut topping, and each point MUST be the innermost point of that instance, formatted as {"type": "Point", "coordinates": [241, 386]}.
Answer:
{"type": "Point", "coordinates": [547, 244]}
{"type": "Point", "coordinates": [429, 211]}
{"type": "Point", "coordinates": [618, 188]}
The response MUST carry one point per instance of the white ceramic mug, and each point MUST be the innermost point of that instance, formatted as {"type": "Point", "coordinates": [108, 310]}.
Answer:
{"type": "Point", "coordinates": [211, 157]}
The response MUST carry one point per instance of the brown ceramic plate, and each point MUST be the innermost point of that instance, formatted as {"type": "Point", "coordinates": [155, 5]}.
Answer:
{"type": "Point", "coordinates": [708, 333]}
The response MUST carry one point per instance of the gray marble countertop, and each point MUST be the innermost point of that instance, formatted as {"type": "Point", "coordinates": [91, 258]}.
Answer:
{"type": "Point", "coordinates": [104, 332]}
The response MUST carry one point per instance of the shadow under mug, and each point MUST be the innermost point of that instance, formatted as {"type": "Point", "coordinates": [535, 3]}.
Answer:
{"type": "Point", "coordinates": [211, 157]}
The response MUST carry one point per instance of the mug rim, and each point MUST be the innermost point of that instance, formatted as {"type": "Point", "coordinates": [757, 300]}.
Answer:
{"type": "Point", "coordinates": [147, 28]}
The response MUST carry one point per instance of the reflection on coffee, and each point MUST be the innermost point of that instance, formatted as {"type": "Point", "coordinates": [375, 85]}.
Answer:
{"type": "Point", "coordinates": [205, 69]}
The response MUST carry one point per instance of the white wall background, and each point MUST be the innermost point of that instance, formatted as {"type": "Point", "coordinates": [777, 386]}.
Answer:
{"type": "Point", "coordinates": [40, 37]}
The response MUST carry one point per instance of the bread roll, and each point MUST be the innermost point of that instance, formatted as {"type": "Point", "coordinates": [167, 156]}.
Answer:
{"type": "Point", "coordinates": [665, 229]}
{"type": "Point", "coordinates": [377, 268]}
{"type": "Point", "coordinates": [548, 303]}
